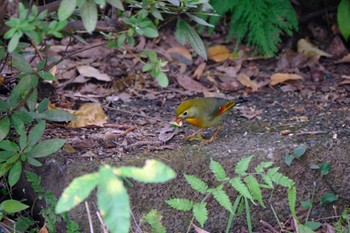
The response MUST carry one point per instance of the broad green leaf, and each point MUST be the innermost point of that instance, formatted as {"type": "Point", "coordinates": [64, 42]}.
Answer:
{"type": "Point", "coordinates": [328, 198]}
{"type": "Point", "coordinates": [88, 13]}
{"type": "Point", "coordinates": [15, 173]}
{"type": "Point", "coordinates": [153, 172]}
{"type": "Point", "coordinates": [13, 159]}
{"type": "Point", "coordinates": [162, 79]}
{"type": "Point", "coordinates": [24, 115]}
{"type": "Point", "coordinates": [150, 32]}
{"type": "Point", "coordinates": [32, 101]}
{"type": "Point", "coordinates": [288, 159]}
{"type": "Point", "coordinates": [180, 204]}
{"type": "Point", "coordinates": [34, 162]}
{"type": "Point", "coordinates": [4, 168]}
{"type": "Point", "coordinates": [12, 206]}
{"type": "Point", "coordinates": [19, 91]}
{"type": "Point", "coordinates": [200, 212]}
{"type": "Point", "coordinates": [43, 105]}
{"type": "Point", "coordinates": [156, 13]}
{"type": "Point", "coordinates": [242, 166]}
{"type": "Point", "coordinates": [20, 63]}
{"type": "Point", "coordinates": [5, 155]}
{"type": "Point", "coordinates": [147, 67]}
{"type": "Point", "coordinates": [254, 188]}
{"type": "Point", "coordinates": [9, 146]}
{"type": "Point", "coordinates": [200, 20]}
{"type": "Point", "coordinates": [304, 229]}
{"type": "Point", "coordinates": [18, 124]}
{"type": "Point", "coordinates": [36, 133]}
{"type": "Point", "coordinates": [76, 192]}
{"type": "Point", "coordinates": [313, 225]}
{"type": "Point", "coordinates": [292, 198]}
{"type": "Point", "coordinates": [101, 3]}
{"type": "Point", "coordinates": [46, 75]}
{"type": "Point", "coordinates": [4, 107]}
{"type": "Point", "coordinates": [196, 183]}
{"type": "Point", "coordinates": [325, 167]}
{"type": "Point", "coordinates": [113, 201]}
{"type": "Point", "coordinates": [117, 4]}
{"type": "Point", "coordinates": [46, 148]}
{"type": "Point", "coordinates": [14, 41]}
{"type": "Point", "coordinates": [299, 151]}
{"type": "Point", "coordinates": [306, 204]}
{"type": "Point", "coordinates": [66, 9]}
{"type": "Point", "coordinates": [184, 32]}
{"type": "Point", "coordinates": [4, 127]}
{"type": "Point", "coordinates": [217, 170]}
{"type": "Point", "coordinates": [23, 139]}
{"type": "Point", "coordinates": [57, 115]}
{"type": "Point", "coordinates": [240, 187]}
{"type": "Point", "coordinates": [343, 17]}
{"type": "Point", "coordinates": [222, 198]}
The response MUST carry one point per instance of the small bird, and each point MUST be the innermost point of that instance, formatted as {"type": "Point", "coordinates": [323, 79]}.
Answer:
{"type": "Point", "coordinates": [204, 113]}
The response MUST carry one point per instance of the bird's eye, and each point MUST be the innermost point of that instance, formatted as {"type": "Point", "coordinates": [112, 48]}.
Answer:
{"type": "Point", "coordinates": [185, 113]}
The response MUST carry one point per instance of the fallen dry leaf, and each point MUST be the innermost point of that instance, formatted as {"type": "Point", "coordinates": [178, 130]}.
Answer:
{"type": "Point", "coordinates": [345, 59]}
{"type": "Point", "coordinates": [249, 113]}
{"type": "Point", "coordinates": [190, 84]}
{"type": "Point", "coordinates": [166, 133]}
{"type": "Point", "coordinates": [180, 54]}
{"type": "Point", "coordinates": [89, 114]}
{"type": "Point", "coordinates": [43, 229]}
{"type": "Point", "coordinates": [199, 230]}
{"type": "Point", "coordinates": [311, 50]}
{"type": "Point", "coordinates": [246, 81]}
{"type": "Point", "coordinates": [219, 53]}
{"type": "Point", "coordinates": [285, 132]}
{"type": "Point", "coordinates": [346, 80]}
{"type": "Point", "coordinates": [91, 72]}
{"type": "Point", "coordinates": [282, 77]}
{"type": "Point", "coordinates": [199, 71]}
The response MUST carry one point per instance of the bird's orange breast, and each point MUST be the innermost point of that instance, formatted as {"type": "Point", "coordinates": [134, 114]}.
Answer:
{"type": "Point", "coordinates": [195, 122]}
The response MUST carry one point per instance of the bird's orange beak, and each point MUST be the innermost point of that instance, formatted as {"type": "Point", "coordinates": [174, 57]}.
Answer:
{"type": "Point", "coordinates": [177, 121]}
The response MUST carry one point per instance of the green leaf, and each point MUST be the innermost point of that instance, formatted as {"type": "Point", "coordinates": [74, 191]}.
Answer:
{"type": "Point", "coordinates": [162, 79]}
{"type": "Point", "coordinates": [153, 218]}
{"type": "Point", "coordinates": [12, 206]}
{"type": "Point", "coordinates": [76, 192]}
{"type": "Point", "coordinates": [15, 173]}
{"type": "Point", "coordinates": [200, 212]}
{"type": "Point", "coordinates": [200, 20]}
{"type": "Point", "coordinates": [328, 198]}
{"type": "Point", "coordinates": [4, 127]}
{"type": "Point", "coordinates": [19, 91]}
{"type": "Point", "coordinates": [4, 168]}
{"type": "Point", "coordinates": [21, 64]}
{"type": "Point", "coordinates": [313, 225]}
{"type": "Point", "coordinates": [13, 159]}
{"type": "Point", "coordinates": [34, 162]}
{"type": "Point", "coordinates": [4, 107]}
{"type": "Point", "coordinates": [180, 204]}
{"type": "Point", "coordinates": [254, 188]}
{"type": "Point", "coordinates": [304, 229]}
{"type": "Point", "coordinates": [279, 178]}
{"type": "Point", "coordinates": [113, 201]}
{"type": "Point", "coordinates": [9, 146]}
{"type": "Point", "coordinates": [217, 170]}
{"type": "Point", "coordinates": [196, 183]}
{"type": "Point", "coordinates": [156, 13]}
{"type": "Point", "coordinates": [88, 13]}
{"type": "Point", "coordinates": [222, 198]}
{"type": "Point", "coordinates": [117, 4]}
{"type": "Point", "coordinates": [147, 67]}
{"type": "Point", "coordinates": [306, 204]}
{"type": "Point", "coordinates": [14, 41]}
{"type": "Point", "coordinates": [150, 31]}
{"type": "Point", "coordinates": [288, 159]}
{"type": "Point", "coordinates": [299, 151]}
{"type": "Point", "coordinates": [325, 167]}
{"type": "Point", "coordinates": [292, 198]}
{"type": "Point", "coordinates": [242, 166]}
{"type": "Point", "coordinates": [32, 101]}
{"type": "Point", "coordinates": [43, 105]}
{"type": "Point", "coordinates": [23, 141]}
{"type": "Point", "coordinates": [46, 148]}
{"type": "Point", "coordinates": [153, 172]}
{"type": "Point", "coordinates": [184, 32]}
{"type": "Point", "coordinates": [261, 167]}
{"type": "Point", "coordinates": [343, 17]}
{"type": "Point", "coordinates": [36, 133]}
{"type": "Point", "coordinates": [66, 9]}
{"type": "Point", "coordinates": [247, 211]}
{"type": "Point", "coordinates": [5, 155]}
{"type": "Point", "coordinates": [46, 75]}
{"type": "Point", "coordinates": [57, 115]}
{"type": "Point", "coordinates": [18, 124]}
{"type": "Point", "coordinates": [240, 187]}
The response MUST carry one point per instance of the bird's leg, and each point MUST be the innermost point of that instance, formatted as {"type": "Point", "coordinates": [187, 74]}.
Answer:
{"type": "Point", "coordinates": [212, 137]}
{"type": "Point", "coordinates": [194, 134]}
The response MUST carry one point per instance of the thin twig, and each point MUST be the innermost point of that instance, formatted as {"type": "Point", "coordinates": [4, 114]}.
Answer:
{"type": "Point", "coordinates": [137, 225]}
{"type": "Point", "coordinates": [142, 143]}
{"type": "Point", "coordinates": [265, 224]}
{"type": "Point", "coordinates": [136, 114]}
{"type": "Point", "coordinates": [103, 226]}
{"type": "Point", "coordinates": [89, 217]}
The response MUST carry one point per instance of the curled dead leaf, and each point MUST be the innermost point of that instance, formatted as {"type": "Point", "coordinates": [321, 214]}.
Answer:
{"type": "Point", "coordinates": [181, 54]}
{"type": "Point", "coordinates": [282, 77]}
{"type": "Point", "coordinates": [190, 84]}
{"type": "Point", "coordinates": [311, 50]}
{"type": "Point", "coordinates": [246, 81]}
{"type": "Point", "coordinates": [89, 114]}
{"type": "Point", "coordinates": [199, 71]}
{"type": "Point", "coordinates": [219, 53]}
{"type": "Point", "coordinates": [91, 72]}
{"type": "Point", "coordinates": [285, 132]}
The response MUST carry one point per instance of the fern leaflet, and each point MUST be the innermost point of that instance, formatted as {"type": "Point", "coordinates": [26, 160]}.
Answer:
{"type": "Point", "coordinates": [217, 170]}
{"type": "Point", "coordinates": [242, 165]}
{"type": "Point", "coordinates": [180, 204]}
{"type": "Point", "coordinates": [221, 197]}
{"type": "Point", "coordinates": [279, 178]}
{"type": "Point", "coordinates": [200, 212]}
{"type": "Point", "coordinates": [240, 187]}
{"type": "Point", "coordinates": [153, 218]}
{"type": "Point", "coordinates": [254, 188]}
{"type": "Point", "coordinates": [292, 198]}
{"type": "Point", "coordinates": [267, 181]}
{"type": "Point", "coordinates": [260, 168]}
{"type": "Point", "coordinates": [196, 183]}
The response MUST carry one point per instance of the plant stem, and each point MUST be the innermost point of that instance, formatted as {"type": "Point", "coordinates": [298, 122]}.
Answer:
{"type": "Point", "coordinates": [232, 214]}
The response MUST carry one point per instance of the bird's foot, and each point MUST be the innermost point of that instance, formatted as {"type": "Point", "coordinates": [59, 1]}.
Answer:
{"type": "Point", "coordinates": [195, 136]}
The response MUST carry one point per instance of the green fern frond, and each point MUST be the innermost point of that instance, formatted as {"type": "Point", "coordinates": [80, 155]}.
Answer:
{"type": "Point", "coordinates": [196, 183]}
{"type": "Point", "coordinates": [180, 204]}
{"type": "Point", "coordinates": [241, 188]}
{"type": "Point", "coordinates": [254, 188]}
{"type": "Point", "coordinates": [200, 212]}
{"type": "Point", "coordinates": [292, 198]}
{"type": "Point", "coordinates": [222, 198]}
{"type": "Point", "coordinates": [267, 181]}
{"type": "Point", "coordinates": [279, 178]}
{"type": "Point", "coordinates": [262, 166]}
{"type": "Point", "coordinates": [242, 166]}
{"type": "Point", "coordinates": [217, 170]}
{"type": "Point", "coordinates": [153, 218]}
